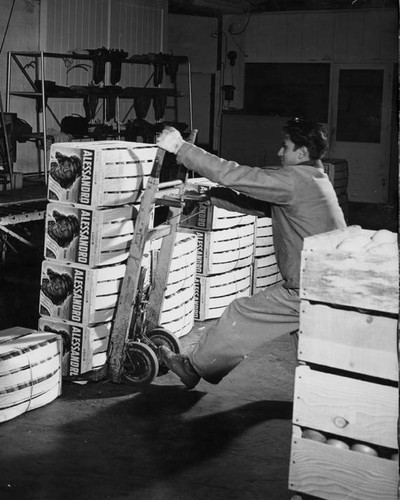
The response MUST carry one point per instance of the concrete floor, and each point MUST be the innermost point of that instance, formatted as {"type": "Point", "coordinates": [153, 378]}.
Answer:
{"type": "Point", "coordinates": [105, 441]}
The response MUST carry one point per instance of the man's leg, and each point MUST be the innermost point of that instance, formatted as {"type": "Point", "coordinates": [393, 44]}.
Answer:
{"type": "Point", "coordinates": [246, 324]}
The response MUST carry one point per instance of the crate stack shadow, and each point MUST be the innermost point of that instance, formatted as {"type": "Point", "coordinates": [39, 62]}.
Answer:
{"type": "Point", "coordinates": [93, 193]}
{"type": "Point", "coordinates": [345, 415]}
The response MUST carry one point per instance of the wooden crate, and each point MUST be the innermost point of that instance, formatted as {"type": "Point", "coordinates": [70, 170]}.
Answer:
{"type": "Point", "coordinates": [177, 314]}
{"type": "Point", "coordinates": [224, 250]}
{"type": "Point", "coordinates": [347, 407]}
{"type": "Point", "coordinates": [183, 264]}
{"type": "Point", "coordinates": [347, 278]}
{"type": "Point", "coordinates": [265, 272]}
{"type": "Point", "coordinates": [214, 293]}
{"type": "Point", "coordinates": [208, 217]}
{"type": "Point", "coordinates": [338, 173]}
{"type": "Point", "coordinates": [100, 173]}
{"type": "Point", "coordinates": [264, 243]}
{"type": "Point", "coordinates": [30, 370]}
{"type": "Point", "coordinates": [80, 294]}
{"type": "Point", "coordinates": [347, 384]}
{"type": "Point", "coordinates": [92, 237]}
{"type": "Point", "coordinates": [83, 344]}
{"type": "Point", "coordinates": [332, 473]}
{"type": "Point", "coordinates": [350, 340]}
{"type": "Point", "coordinates": [182, 325]}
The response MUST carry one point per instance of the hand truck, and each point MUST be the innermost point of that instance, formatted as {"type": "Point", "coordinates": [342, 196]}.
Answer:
{"type": "Point", "coordinates": [136, 334]}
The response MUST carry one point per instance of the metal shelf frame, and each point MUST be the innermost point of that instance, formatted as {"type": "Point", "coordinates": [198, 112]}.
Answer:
{"type": "Point", "coordinates": [39, 62]}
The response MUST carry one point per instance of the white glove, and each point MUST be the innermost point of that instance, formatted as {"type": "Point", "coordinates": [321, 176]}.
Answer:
{"type": "Point", "coordinates": [170, 139]}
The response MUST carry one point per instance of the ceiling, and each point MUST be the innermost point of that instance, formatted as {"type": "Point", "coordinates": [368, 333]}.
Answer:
{"type": "Point", "coordinates": [216, 8]}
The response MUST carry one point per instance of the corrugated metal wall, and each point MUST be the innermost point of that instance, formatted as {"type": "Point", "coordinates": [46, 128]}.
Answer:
{"type": "Point", "coordinates": [135, 26]}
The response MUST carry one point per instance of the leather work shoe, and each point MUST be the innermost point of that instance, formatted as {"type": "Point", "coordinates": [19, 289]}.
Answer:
{"type": "Point", "coordinates": [180, 365]}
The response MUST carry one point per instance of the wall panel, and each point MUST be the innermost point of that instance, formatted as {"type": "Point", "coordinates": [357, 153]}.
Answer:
{"type": "Point", "coordinates": [362, 35]}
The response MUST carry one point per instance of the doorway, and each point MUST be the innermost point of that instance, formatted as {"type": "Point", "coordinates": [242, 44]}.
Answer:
{"type": "Point", "coordinates": [360, 132]}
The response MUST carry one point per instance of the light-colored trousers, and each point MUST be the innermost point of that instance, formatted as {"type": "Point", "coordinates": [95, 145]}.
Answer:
{"type": "Point", "coordinates": [246, 324]}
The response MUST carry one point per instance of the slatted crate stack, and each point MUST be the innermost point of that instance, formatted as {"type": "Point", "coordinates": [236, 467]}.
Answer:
{"type": "Point", "coordinates": [345, 415]}
{"type": "Point", "coordinates": [93, 190]}
{"type": "Point", "coordinates": [266, 271]}
{"type": "Point", "coordinates": [225, 248]}
{"type": "Point", "coordinates": [178, 310]}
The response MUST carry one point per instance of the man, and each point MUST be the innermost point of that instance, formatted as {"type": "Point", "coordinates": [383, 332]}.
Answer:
{"type": "Point", "coordinates": [302, 203]}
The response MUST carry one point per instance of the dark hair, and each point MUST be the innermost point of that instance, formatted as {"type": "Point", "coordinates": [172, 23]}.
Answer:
{"type": "Point", "coordinates": [307, 133]}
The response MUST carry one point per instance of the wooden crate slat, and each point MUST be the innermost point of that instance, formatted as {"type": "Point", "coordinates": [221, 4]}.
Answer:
{"type": "Point", "coordinates": [371, 284]}
{"type": "Point", "coordinates": [348, 278]}
{"type": "Point", "coordinates": [349, 340]}
{"type": "Point", "coordinates": [348, 407]}
{"type": "Point", "coordinates": [333, 474]}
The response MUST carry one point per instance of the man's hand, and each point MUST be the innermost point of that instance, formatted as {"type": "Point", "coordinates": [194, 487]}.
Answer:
{"type": "Point", "coordinates": [170, 139]}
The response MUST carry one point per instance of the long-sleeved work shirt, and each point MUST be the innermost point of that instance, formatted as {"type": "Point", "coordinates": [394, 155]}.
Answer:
{"type": "Point", "coordinates": [301, 197]}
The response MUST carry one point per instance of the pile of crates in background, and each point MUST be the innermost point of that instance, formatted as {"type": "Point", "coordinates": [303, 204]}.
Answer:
{"type": "Point", "coordinates": [345, 414]}
{"type": "Point", "coordinates": [338, 172]}
{"type": "Point", "coordinates": [93, 190]}
{"type": "Point", "coordinates": [235, 254]}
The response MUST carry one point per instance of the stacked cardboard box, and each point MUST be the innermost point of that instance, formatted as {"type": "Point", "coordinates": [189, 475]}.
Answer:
{"type": "Point", "coordinates": [93, 189]}
{"type": "Point", "coordinates": [225, 248]}
{"type": "Point", "coordinates": [345, 414]}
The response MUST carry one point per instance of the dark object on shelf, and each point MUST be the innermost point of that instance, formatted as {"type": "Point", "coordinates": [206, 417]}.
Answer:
{"type": "Point", "coordinates": [99, 63]}
{"type": "Point", "coordinates": [8, 147]}
{"type": "Point", "coordinates": [160, 62]}
{"type": "Point", "coordinates": [232, 56]}
{"type": "Point", "coordinates": [141, 105]}
{"type": "Point", "coordinates": [49, 86]}
{"type": "Point", "coordinates": [75, 125]}
{"type": "Point", "coordinates": [101, 132]}
{"type": "Point", "coordinates": [116, 58]}
{"type": "Point", "coordinates": [53, 89]}
{"type": "Point", "coordinates": [158, 66]}
{"type": "Point", "coordinates": [229, 92]}
{"type": "Point", "coordinates": [90, 103]}
{"type": "Point", "coordinates": [22, 130]}
{"type": "Point", "coordinates": [103, 55]}
{"type": "Point", "coordinates": [111, 92]}
{"type": "Point", "coordinates": [139, 128]}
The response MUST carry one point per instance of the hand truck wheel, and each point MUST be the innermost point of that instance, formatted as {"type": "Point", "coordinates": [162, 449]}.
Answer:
{"type": "Point", "coordinates": [161, 336]}
{"type": "Point", "coordinates": [140, 364]}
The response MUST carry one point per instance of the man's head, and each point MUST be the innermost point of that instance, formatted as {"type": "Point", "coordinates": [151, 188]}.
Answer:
{"type": "Point", "coordinates": [303, 140]}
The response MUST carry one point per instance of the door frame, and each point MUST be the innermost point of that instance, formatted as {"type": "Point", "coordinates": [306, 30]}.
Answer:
{"type": "Point", "coordinates": [386, 122]}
